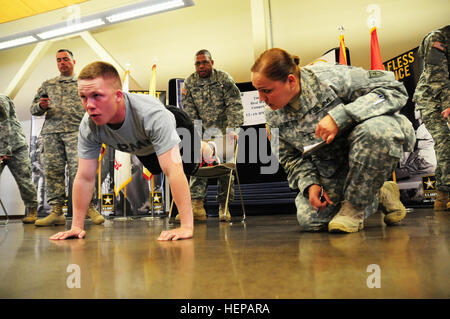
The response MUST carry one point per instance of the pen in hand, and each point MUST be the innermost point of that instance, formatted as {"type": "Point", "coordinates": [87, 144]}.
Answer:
{"type": "Point", "coordinates": [320, 198]}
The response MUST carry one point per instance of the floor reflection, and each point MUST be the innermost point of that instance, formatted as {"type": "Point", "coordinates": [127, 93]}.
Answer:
{"type": "Point", "coordinates": [265, 257]}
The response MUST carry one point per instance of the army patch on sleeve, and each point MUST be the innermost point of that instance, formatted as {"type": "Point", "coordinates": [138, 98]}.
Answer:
{"type": "Point", "coordinates": [184, 91]}
{"type": "Point", "coordinates": [439, 45]}
{"type": "Point", "coordinates": [375, 74]}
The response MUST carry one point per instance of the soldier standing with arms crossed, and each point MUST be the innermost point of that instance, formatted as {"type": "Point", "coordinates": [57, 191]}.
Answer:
{"type": "Point", "coordinates": [58, 99]}
{"type": "Point", "coordinates": [211, 96]}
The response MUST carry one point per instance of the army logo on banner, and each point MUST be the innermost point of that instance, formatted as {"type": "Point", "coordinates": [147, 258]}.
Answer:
{"type": "Point", "coordinates": [429, 186]}
{"type": "Point", "coordinates": [107, 204]}
{"type": "Point", "coordinates": [65, 207]}
{"type": "Point", "coordinates": [158, 202]}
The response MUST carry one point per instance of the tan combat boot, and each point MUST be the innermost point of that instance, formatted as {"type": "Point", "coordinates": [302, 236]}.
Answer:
{"type": "Point", "coordinates": [390, 204]}
{"type": "Point", "coordinates": [198, 211]}
{"type": "Point", "coordinates": [224, 216]}
{"type": "Point", "coordinates": [349, 219]}
{"type": "Point", "coordinates": [94, 215]}
{"type": "Point", "coordinates": [56, 217]}
{"type": "Point", "coordinates": [31, 216]}
{"type": "Point", "coordinates": [442, 201]}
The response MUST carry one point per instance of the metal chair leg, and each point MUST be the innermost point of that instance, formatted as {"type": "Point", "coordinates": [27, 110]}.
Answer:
{"type": "Point", "coordinates": [6, 213]}
{"type": "Point", "coordinates": [170, 210]}
{"type": "Point", "coordinates": [228, 192]}
{"type": "Point", "coordinates": [244, 216]}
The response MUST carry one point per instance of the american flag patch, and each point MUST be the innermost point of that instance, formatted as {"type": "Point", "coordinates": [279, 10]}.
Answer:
{"type": "Point", "coordinates": [439, 45]}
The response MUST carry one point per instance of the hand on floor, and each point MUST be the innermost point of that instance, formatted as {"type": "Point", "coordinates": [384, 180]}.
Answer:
{"type": "Point", "coordinates": [177, 233]}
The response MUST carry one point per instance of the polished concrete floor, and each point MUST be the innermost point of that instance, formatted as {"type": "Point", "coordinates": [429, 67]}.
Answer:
{"type": "Point", "coordinates": [264, 258]}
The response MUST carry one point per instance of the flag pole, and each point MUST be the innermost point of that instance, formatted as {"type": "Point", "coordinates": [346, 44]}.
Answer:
{"type": "Point", "coordinates": [342, 50]}
{"type": "Point", "coordinates": [123, 184]}
{"type": "Point", "coordinates": [99, 173]}
{"type": "Point", "coordinates": [99, 181]}
{"type": "Point", "coordinates": [153, 194]}
{"type": "Point", "coordinates": [152, 92]}
{"type": "Point", "coordinates": [125, 201]}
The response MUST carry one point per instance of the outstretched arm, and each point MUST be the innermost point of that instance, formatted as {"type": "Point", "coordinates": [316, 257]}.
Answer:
{"type": "Point", "coordinates": [83, 188]}
{"type": "Point", "coordinates": [172, 167]}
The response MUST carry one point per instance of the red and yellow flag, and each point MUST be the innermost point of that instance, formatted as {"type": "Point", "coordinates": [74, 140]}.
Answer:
{"type": "Point", "coordinates": [152, 92]}
{"type": "Point", "coordinates": [342, 53]}
{"type": "Point", "coordinates": [122, 160]}
{"type": "Point", "coordinates": [376, 62]}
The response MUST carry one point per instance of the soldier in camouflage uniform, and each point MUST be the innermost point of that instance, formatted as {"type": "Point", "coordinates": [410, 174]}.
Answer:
{"type": "Point", "coordinates": [211, 96]}
{"type": "Point", "coordinates": [14, 154]}
{"type": "Point", "coordinates": [355, 112]}
{"type": "Point", "coordinates": [432, 97]}
{"type": "Point", "coordinates": [58, 99]}
{"type": "Point", "coordinates": [3, 114]}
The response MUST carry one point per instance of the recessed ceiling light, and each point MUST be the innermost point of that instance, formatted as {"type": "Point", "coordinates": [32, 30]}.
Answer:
{"type": "Point", "coordinates": [145, 11]}
{"type": "Point", "coordinates": [71, 28]}
{"type": "Point", "coordinates": [17, 42]}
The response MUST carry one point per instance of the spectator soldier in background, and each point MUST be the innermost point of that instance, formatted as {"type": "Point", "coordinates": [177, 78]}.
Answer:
{"type": "Point", "coordinates": [210, 95]}
{"type": "Point", "coordinates": [58, 99]}
{"type": "Point", "coordinates": [14, 154]}
{"type": "Point", "coordinates": [432, 97]}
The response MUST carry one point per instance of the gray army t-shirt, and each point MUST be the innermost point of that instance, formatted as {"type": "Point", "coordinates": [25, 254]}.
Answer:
{"type": "Point", "coordinates": [148, 128]}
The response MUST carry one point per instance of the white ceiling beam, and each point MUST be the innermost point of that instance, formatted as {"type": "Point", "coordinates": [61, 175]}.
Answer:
{"type": "Point", "coordinates": [41, 49]}
{"type": "Point", "coordinates": [102, 53]}
{"type": "Point", "coordinates": [261, 26]}
{"type": "Point", "coordinates": [27, 68]}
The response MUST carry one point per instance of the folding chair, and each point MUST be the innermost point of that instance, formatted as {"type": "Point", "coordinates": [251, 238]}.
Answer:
{"type": "Point", "coordinates": [227, 168]}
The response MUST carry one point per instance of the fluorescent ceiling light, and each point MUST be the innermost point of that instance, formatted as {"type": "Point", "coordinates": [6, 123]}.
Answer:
{"type": "Point", "coordinates": [71, 28]}
{"type": "Point", "coordinates": [145, 11]}
{"type": "Point", "coordinates": [17, 42]}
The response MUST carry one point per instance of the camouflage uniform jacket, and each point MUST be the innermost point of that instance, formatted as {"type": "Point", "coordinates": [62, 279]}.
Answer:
{"type": "Point", "coordinates": [350, 96]}
{"type": "Point", "coordinates": [215, 100]}
{"type": "Point", "coordinates": [12, 136]}
{"type": "Point", "coordinates": [433, 89]}
{"type": "Point", "coordinates": [65, 111]}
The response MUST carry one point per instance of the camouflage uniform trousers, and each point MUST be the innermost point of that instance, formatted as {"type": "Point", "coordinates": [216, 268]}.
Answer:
{"type": "Point", "coordinates": [20, 167]}
{"type": "Point", "coordinates": [199, 185]}
{"type": "Point", "coordinates": [59, 149]}
{"type": "Point", "coordinates": [370, 163]}
{"type": "Point", "coordinates": [437, 126]}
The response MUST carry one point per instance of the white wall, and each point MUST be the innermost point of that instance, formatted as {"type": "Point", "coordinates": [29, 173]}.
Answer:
{"type": "Point", "coordinates": [309, 28]}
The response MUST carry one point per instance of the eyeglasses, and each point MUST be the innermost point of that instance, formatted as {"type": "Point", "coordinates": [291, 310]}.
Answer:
{"type": "Point", "coordinates": [198, 63]}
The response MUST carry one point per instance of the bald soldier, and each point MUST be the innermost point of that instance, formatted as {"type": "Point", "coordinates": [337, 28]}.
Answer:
{"type": "Point", "coordinates": [354, 112]}
{"type": "Point", "coordinates": [58, 100]}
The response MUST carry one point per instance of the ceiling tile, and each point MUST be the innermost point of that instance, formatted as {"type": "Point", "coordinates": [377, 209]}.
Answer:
{"type": "Point", "coordinates": [18, 9]}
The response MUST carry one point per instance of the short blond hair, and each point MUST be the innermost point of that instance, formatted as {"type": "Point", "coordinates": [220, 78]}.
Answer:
{"type": "Point", "coordinates": [101, 69]}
